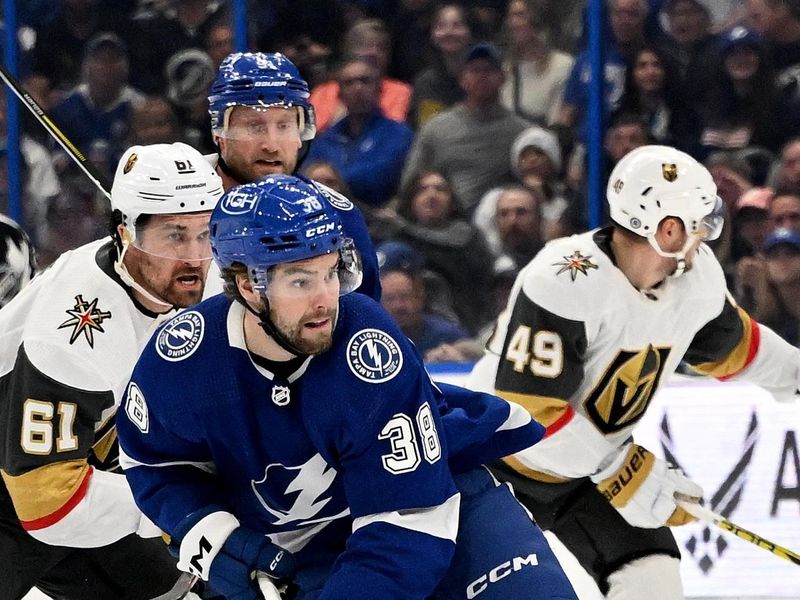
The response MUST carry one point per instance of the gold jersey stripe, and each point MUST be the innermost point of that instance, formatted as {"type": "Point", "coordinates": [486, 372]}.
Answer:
{"type": "Point", "coordinates": [43, 491]}
{"type": "Point", "coordinates": [517, 465]}
{"type": "Point", "coordinates": [545, 409]}
{"type": "Point", "coordinates": [104, 445]}
{"type": "Point", "coordinates": [741, 354]}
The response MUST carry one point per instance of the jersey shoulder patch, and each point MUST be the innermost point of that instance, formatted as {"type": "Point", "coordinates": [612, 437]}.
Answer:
{"type": "Point", "coordinates": [336, 199]}
{"type": "Point", "coordinates": [180, 336]}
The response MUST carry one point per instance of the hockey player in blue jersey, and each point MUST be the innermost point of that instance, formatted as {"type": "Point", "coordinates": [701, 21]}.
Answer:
{"type": "Point", "coordinates": [290, 428]}
{"type": "Point", "coordinates": [262, 122]}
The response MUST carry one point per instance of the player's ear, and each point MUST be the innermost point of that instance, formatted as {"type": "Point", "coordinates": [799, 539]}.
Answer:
{"type": "Point", "coordinates": [245, 287]}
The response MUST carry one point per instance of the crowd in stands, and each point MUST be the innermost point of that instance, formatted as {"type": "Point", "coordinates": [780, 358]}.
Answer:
{"type": "Point", "coordinates": [458, 127]}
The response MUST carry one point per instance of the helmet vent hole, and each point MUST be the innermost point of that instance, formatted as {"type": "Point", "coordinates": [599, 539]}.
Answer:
{"type": "Point", "coordinates": [658, 203]}
{"type": "Point", "coordinates": [183, 204]}
{"type": "Point", "coordinates": [642, 207]}
{"type": "Point", "coordinates": [647, 191]}
{"type": "Point", "coordinates": [202, 202]}
{"type": "Point", "coordinates": [155, 178]}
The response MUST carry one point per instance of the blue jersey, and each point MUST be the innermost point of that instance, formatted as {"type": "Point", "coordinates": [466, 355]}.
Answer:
{"type": "Point", "coordinates": [313, 469]}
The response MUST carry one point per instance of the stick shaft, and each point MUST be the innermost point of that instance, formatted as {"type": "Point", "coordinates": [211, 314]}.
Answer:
{"type": "Point", "coordinates": [80, 159]}
{"type": "Point", "coordinates": [705, 514]}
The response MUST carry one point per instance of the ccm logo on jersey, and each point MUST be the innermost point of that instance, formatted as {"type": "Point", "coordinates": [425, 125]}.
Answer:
{"type": "Point", "coordinates": [373, 356]}
{"type": "Point", "coordinates": [499, 572]}
{"type": "Point", "coordinates": [320, 229]}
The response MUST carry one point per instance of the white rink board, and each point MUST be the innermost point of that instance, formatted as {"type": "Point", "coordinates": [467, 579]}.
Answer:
{"type": "Point", "coordinates": [708, 423]}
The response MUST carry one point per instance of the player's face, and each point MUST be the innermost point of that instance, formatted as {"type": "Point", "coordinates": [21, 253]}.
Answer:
{"type": "Point", "coordinates": [260, 141]}
{"type": "Point", "coordinates": [170, 257]}
{"type": "Point", "coordinates": [304, 301]}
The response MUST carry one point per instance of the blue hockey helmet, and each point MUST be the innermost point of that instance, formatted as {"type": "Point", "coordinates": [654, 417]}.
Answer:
{"type": "Point", "coordinates": [260, 80]}
{"type": "Point", "coordinates": [280, 219]}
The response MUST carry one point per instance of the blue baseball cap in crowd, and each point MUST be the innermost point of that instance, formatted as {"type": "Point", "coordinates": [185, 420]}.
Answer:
{"type": "Point", "coordinates": [739, 36]}
{"type": "Point", "coordinates": [779, 237]}
{"type": "Point", "coordinates": [485, 50]}
{"type": "Point", "coordinates": [398, 256]}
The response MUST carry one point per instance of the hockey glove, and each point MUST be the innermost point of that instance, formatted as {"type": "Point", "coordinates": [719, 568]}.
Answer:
{"type": "Point", "coordinates": [642, 488]}
{"type": "Point", "coordinates": [234, 568]}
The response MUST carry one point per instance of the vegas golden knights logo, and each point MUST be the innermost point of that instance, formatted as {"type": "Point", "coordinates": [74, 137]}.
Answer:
{"type": "Point", "coordinates": [626, 388]}
{"type": "Point", "coordinates": [129, 165]}
{"type": "Point", "coordinates": [670, 171]}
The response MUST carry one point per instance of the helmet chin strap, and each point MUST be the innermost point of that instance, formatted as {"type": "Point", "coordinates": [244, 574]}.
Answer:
{"type": "Point", "coordinates": [127, 278]}
{"type": "Point", "coordinates": [269, 327]}
{"type": "Point", "coordinates": [679, 256]}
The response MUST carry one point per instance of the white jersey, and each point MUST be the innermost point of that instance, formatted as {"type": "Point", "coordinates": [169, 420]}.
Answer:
{"type": "Point", "coordinates": [584, 351]}
{"type": "Point", "coordinates": [68, 344]}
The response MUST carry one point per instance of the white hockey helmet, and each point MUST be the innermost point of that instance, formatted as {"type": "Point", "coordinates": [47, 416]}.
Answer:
{"type": "Point", "coordinates": [651, 183]}
{"type": "Point", "coordinates": [163, 179]}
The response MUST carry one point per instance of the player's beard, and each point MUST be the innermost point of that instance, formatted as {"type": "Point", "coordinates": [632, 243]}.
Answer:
{"type": "Point", "coordinates": [150, 272]}
{"type": "Point", "coordinates": [301, 337]}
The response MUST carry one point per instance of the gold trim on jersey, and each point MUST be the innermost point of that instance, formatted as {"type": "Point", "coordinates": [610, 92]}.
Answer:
{"type": "Point", "coordinates": [544, 409]}
{"type": "Point", "coordinates": [626, 387]}
{"type": "Point", "coordinates": [44, 490]}
{"type": "Point", "coordinates": [105, 444]}
{"type": "Point", "coordinates": [738, 357]}
{"type": "Point", "coordinates": [520, 468]}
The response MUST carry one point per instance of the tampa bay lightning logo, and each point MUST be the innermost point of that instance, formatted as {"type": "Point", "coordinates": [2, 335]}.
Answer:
{"type": "Point", "coordinates": [238, 202]}
{"type": "Point", "coordinates": [308, 493]}
{"type": "Point", "coordinates": [336, 199]}
{"type": "Point", "coordinates": [373, 356]}
{"type": "Point", "coordinates": [181, 336]}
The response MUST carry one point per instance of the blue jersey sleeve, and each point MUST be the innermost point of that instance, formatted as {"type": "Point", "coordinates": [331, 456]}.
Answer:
{"type": "Point", "coordinates": [383, 434]}
{"type": "Point", "coordinates": [166, 460]}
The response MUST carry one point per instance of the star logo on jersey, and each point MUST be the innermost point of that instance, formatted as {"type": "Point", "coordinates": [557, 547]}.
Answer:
{"type": "Point", "coordinates": [707, 546]}
{"type": "Point", "coordinates": [85, 318]}
{"type": "Point", "coordinates": [575, 263]}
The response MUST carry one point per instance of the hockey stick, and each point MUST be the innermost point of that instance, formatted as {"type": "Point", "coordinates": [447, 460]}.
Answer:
{"type": "Point", "coordinates": [705, 514]}
{"type": "Point", "coordinates": [80, 159]}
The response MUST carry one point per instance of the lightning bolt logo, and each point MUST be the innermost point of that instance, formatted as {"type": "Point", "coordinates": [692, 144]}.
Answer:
{"type": "Point", "coordinates": [311, 482]}
{"type": "Point", "coordinates": [374, 356]}
{"type": "Point", "coordinates": [181, 336]}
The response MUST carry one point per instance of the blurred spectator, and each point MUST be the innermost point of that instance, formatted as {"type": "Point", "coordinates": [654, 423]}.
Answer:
{"type": "Point", "coordinates": [536, 73]}
{"type": "Point", "coordinates": [410, 31]}
{"type": "Point", "coordinates": [653, 93]}
{"type": "Point", "coordinates": [40, 183]}
{"type": "Point", "coordinates": [519, 224]}
{"type": "Point", "coordinates": [218, 41]}
{"type": "Point", "coordinates": [17, 259]}
{"type": "Point", "coordinates": [470, 142]}
{"type": "Point", "coordinates": [626, 20]}
{"type": "Point", "coordinates": [189, 74]}
{"type": "Point", "coordinates": [536, 163]}
{"type": "Point", "coordinates": [403, 297]}
{"type": "Point", "coordinates": [625, 132]}
{"type": "Point", "coordinates": [154, 122]}
{"type": "Point", "coordinates": [784, 211]}
{"type": "Point", "coordinates": [487, 16]}
{"type": "Point", "coordinates": [769, 286]}
{"type": "Point", "coordinates": [429, 219]}
{"type": "Point", "coordinates": [369, 40]}
{"type": "Point", "coordinates": [786, 173]}
{"type": "Point", "coordinates": [328, 175]}
{"type": "Point", "coordinates": [436, 87]}
{"type": "Point", "coordinates": [160, 35]}
{"type": "Point", "coordinates": [690, 42]}
{"type": "Point", "coordinates": [59, 48]}
{"type": "Point", "coordinates": [742, 105]}
{"type": "Point", "coordinates": [750, 222]}
{"type": "Point", "coordinates": [778, 21]}
{"type": "Point", "coordinates": [367, 148]}
{"type": "Point", "coordinates": [731, 174]}
{"type": "Point", "coordinates": [96, 116]}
